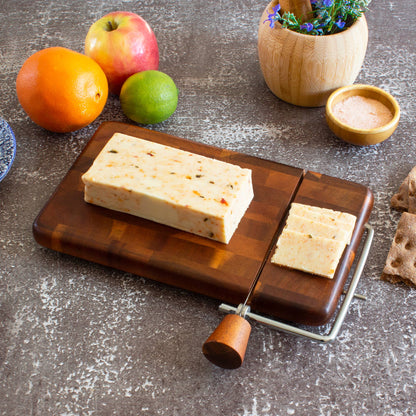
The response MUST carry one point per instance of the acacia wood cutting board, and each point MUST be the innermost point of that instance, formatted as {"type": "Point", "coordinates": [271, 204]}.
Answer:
{"type": "Point", "coordinates": [226, 272]}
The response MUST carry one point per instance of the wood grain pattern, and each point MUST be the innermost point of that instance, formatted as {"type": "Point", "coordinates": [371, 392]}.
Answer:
{"type": "Point", "coordinates": [226, 272]}
{"type": "Point", "coordinates": [302, 9]}
{"type": "Point", "coordinates": [303, 69]}
{"type": "Point", "coordinates": [222, 271]}
{"type": "Point", "coordinates": [301, 297]}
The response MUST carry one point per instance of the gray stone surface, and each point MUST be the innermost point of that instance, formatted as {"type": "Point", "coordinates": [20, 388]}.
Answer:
{"type": "Point", "coordinates": [80, 339]}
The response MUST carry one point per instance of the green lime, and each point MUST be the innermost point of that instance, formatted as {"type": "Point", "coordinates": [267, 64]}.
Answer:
{"type": "Point", "coordinates": [149, 97]}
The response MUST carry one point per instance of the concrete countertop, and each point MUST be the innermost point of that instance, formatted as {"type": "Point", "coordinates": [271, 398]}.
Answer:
{"type": "Point", "coordinates": [77, 338]}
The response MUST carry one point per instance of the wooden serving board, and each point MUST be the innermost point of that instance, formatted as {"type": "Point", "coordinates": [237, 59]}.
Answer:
{"type": "Point", "coordinates": [226, 272]}
{"type": "Point", "coordinates": [301, 297]}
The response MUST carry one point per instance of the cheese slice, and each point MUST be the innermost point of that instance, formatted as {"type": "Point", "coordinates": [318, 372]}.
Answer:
{"type": "Point", "coordinates": [316, 229]}
{"type": "Point", "coordinates": [343, 217]}
{"type": "Point", "coordinates": [314, 239]}
{"type": "Point", "coordinates": [194, 193]}
{"type": "Point", "coordinates": [341, 220]}
{"type": "Point", "coordinates": [316, 255]}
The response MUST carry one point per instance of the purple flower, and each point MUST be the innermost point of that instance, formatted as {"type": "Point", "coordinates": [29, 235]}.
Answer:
{"type": "Point", "coordinates": [272, 17]}
{"type": "Point", "coordinates": [340, 23]}
{"type": "Point", "coordinates": [306, 26]}
{"type": "Point", "coordinates": [327, 3]}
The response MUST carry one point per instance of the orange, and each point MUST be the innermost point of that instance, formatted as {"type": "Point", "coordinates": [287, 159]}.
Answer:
{"type": "Point", "coordinates": [61, 90]}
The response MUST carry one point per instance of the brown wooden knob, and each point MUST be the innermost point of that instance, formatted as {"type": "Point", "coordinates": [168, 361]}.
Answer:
{"type": "Point", "coordinates": [227, 345]}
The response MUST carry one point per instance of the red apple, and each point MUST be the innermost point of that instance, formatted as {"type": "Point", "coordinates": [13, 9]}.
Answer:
{"type": "Point", "coordinates": [122, 43]}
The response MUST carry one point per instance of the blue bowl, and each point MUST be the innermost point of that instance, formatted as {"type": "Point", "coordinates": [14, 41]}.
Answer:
{"type": "Point", "coordinates": [7, 148]}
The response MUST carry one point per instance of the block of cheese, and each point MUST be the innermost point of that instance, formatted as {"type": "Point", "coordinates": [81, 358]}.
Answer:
{"type": "Point", "coordinates": [316, 255]}
{"type": "Point", "coordinates": [190, 192]}
{"type": "Point", "coordinates": [338, 219]}
{"type": "Point", "coordinates": [316, 229]}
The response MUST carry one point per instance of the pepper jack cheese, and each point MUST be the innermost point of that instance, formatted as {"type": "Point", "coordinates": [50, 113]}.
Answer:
{"type": "Point", "coordinates": [316, 229]}
{"type": "Point", "coordinates": [316, 255]}
{"type": "Point", "coordinates": [314, 239]}
{"type": "Point", "coordinates": [343, 217]}
{"type": "Point", "coordinates": [341, 220]}
{"type": "Point", "coordinates": [194, 193]}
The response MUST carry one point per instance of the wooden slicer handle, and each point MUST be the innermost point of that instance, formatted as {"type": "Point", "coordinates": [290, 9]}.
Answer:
{"type": "Point", "coordinates": [227, 345]}
{"type": "Point", "coordinates": [300, 8]}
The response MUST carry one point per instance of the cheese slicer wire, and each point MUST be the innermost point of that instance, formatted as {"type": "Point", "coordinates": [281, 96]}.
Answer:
{"type": "Point", "coordinates": [226, 346]}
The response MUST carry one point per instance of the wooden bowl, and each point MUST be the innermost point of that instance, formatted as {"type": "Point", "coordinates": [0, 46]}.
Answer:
{"type": "Point", "coordinates": [359, 136]}
{"type": "Point", "coordinates": [305, 69]}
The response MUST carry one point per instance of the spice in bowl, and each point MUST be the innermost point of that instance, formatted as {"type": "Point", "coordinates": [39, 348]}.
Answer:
{"type": "Point", "coordinates": [362, 114]}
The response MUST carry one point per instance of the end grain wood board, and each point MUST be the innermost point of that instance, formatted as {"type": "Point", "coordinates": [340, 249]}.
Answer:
{"type": "Point", "coordinates": [226, 272]}
{"type": "Point", "coordinates": [301, 297]}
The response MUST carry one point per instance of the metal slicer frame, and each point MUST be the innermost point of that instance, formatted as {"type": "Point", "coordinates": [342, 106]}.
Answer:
{"type": "Point", "coordinates": [244, 310]}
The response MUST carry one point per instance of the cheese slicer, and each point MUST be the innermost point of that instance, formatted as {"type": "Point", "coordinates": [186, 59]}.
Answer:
{"type": "Point", "coordinates": [226, 346]}
{"type": "Point", "coordinates": [236, 273]}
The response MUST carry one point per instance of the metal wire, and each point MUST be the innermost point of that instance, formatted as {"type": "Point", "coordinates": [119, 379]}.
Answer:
{"type": "Point", "coordinates": [244, 310]}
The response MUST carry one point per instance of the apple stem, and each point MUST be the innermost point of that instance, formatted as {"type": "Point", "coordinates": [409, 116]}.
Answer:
{"type": "Point", "coordinates": [111, 25]}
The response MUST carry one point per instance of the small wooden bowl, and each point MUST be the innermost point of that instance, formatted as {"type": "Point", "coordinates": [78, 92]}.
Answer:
{"type": "Point", "coordinates": [362, 137]}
